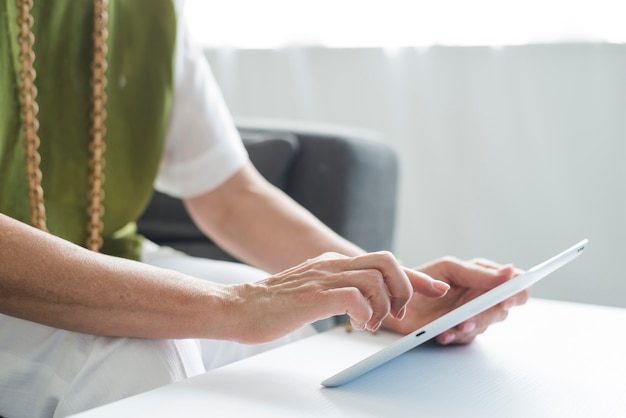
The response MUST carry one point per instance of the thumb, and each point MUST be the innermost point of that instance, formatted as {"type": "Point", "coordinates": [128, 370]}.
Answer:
{"type": "Point", "coordinates": [477, 276]}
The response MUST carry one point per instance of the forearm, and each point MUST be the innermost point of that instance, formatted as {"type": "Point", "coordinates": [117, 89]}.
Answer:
{"type": "Point", "coordinates": [51, 281]}
{"type": "Point", "coordinates": [263, 226]}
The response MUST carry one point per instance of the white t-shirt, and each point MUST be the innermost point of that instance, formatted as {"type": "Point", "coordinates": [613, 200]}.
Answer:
{"type": "Point", "coordinates": [203, 147]}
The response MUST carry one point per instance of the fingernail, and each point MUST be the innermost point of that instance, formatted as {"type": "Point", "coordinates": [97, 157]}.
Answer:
{"type": "Point", "coordinates": [359, 327]}
{"type": "Point", "coordinates": [441, 286]}
{"type": "Point", "coordinates": [401, 313]}
{"type": "Point", "coordinates": [377, 326]}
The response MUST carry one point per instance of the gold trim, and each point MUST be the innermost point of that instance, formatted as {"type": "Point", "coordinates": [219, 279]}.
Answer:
{"type": "Point", "coordinates": [30, 123]}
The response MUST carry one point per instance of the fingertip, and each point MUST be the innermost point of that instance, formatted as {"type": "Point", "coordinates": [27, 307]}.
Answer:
{"type": "Point", "coordinates": [359, 326]}
{"type": "Point", "coordinates": [376, 326]}
{"type": "Point", "coordinates": [445, 338]}
{"type": "Point", "coordinates": [467, 326]}
{"type": "Point", "coordinates": [507, 304]}
{"type": "Point", "coordinates": [441, 287]}
{"type": "Point", "coordinates": [506, 270]}
{"type": "Point", "coordinates": [427, 285]}
{"type": "Point", "coordinates": [401, 314]}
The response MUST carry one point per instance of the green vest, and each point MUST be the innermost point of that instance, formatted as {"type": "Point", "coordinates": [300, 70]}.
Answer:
{"type": "Point", "coordinates": [140, 85]}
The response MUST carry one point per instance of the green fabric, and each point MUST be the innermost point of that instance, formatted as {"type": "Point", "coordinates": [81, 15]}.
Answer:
{"type": "Point", "coordinates": [140, 86]}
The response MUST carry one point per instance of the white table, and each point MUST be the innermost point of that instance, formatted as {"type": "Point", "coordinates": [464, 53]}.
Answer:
{"type": "Point", "coordinates": [549, 359]}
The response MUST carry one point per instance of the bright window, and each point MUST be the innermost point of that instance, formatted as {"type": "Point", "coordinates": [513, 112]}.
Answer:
{"type": "Point", "coordinates": [401, 23]}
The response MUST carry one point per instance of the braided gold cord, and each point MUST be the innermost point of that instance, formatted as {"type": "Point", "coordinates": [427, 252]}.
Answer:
{"type": "Point", "coordinates": [97, 147]}
{"type": "Point", "coordinates": [29, 109]}
{"type": "Point", "coordinates": [30, 123]}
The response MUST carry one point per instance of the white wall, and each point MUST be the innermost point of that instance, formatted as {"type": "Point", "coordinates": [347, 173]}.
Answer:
{"type": "Point", "coordinates": [512, 153]}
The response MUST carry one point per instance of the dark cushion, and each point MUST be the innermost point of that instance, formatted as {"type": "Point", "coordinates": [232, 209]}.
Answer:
{"type": "Point", "coordinates": [272, 153]}
{"type": "Point", "coordinates": [350, 186]}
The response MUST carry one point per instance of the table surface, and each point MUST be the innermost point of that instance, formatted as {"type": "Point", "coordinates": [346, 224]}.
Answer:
{"type": "Point", "coordinates": [549, 359]}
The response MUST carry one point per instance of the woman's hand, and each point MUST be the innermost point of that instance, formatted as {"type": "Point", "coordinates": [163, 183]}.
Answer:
{"type": "Point", "coordinates": [467, 280]}
{"type": "Point", "coordinates": [368, 288]}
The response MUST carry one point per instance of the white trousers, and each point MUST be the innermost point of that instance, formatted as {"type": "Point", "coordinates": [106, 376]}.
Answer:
{"type": "Point", "coordinates": [47, 372]}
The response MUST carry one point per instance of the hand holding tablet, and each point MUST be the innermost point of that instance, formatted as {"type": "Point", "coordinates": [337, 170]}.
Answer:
{"type": "Point", "coordinates": [467, 280]}
{"type": "Point", "coordinates": [458, 315]}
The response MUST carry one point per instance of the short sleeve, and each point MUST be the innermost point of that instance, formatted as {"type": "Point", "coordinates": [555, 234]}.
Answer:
{"type": "Point", "coordinates": [203, 147]}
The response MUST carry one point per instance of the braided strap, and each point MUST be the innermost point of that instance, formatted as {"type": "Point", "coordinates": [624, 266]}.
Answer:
{"type": "Point", "coordinates": [30, 123]}
{"type": "Point", "coordinates": [97, 147]}
{"type": "Point", "coordinates": [29, 110]}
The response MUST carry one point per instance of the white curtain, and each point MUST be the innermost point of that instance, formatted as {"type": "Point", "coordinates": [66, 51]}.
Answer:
{"type": "Point", "coordinates": [510, 153]}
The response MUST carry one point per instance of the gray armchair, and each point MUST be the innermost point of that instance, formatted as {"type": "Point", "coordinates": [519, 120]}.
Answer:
{"type": "Point", "coordinates": [346, 177]}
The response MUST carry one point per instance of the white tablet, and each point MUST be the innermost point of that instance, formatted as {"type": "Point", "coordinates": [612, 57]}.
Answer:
{"type": "Point", "coordinates": [458, 315]}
